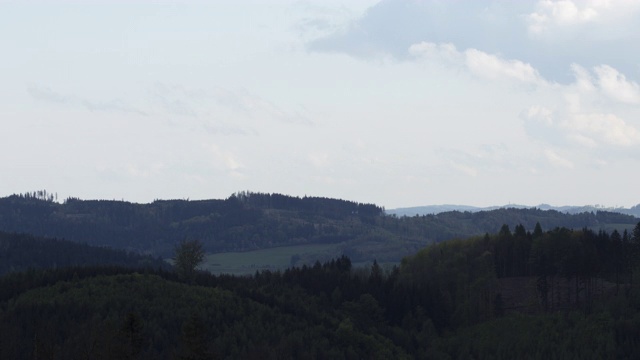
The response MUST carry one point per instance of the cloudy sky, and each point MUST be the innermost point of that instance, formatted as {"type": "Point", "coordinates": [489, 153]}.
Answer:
{"type": "Point", "coordinates": [395, 102]}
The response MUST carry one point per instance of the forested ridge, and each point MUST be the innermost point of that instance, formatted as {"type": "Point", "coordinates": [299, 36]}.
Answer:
{"type": "Point", "coordinates": [517, 293]}
{"type": "Point", "coordinates": [249, 221]}
{"type": "Point", "coordinates": [20, 252]}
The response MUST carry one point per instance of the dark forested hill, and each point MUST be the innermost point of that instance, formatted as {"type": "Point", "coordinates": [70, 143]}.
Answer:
{"type": "Point", "coordinates": [114, 314]}
{"type": "Point", "coordinates": [241, 222]}
{"type": "Point", "coordinates": [458, 299]}
{"type": "Point", "coordinates": [249, 221]}
{"type": "Point", "coordinates": [19, 252]}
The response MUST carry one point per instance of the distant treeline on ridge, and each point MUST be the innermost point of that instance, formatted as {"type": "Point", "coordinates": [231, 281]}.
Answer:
{"type": "Point", "coordinates": [250, 221]}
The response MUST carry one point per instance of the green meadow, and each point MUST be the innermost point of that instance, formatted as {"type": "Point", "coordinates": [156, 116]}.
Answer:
{"type": "Point", "coordinates": [277, 258]}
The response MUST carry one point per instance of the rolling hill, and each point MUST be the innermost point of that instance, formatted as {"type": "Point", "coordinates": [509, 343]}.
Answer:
{"type": "Point", "coordinates": [255, 221]}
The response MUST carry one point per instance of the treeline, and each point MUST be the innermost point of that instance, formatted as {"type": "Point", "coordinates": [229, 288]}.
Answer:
{"type": "Point", "coordinates": [39, 195]}
{"type": "Point", "coordinates": [327, 207]}
{"type": "Point", "coordinates": [456, 224]}
{"type": "Point", "coordinates": [20, 252]}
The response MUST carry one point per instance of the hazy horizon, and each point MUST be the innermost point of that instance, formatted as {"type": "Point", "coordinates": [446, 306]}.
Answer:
{"type": "Point", "coordinates": [401, 103]}
{"type": "Point", "coordinates": [60, 200]}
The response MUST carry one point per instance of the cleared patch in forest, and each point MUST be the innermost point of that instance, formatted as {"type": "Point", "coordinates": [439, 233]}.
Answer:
{"type": "Point", "coordinates": [278, 258]}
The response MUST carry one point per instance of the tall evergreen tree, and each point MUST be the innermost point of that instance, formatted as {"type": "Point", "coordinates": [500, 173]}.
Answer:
{"type": "Point", "coordinates": [537, 231]}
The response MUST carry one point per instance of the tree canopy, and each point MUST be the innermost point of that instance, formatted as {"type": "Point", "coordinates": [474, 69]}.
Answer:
{"type": "Point", "coordinates": [188, 255]}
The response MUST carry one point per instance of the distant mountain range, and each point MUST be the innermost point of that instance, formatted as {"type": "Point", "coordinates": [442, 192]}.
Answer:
{"type": "Point", "coordinates": [437, 209]}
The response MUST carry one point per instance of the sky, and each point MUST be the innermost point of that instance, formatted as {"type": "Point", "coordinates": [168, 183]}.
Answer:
{"type": "Point", "coordinates": [394, 102]}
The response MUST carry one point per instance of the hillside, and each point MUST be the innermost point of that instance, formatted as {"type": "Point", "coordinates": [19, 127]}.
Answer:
{"type": "Point", "coordinates": [448, 301]}
{"type": "Point", "coordinates": [20, 252]}
{"type": "Point", "coordinates": [126, 316]}
{"type": "Point", "coordinates": [252, 221]}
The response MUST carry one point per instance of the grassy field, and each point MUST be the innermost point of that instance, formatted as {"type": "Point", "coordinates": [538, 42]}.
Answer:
{"type": "Point", "coordinates": [248, 262]}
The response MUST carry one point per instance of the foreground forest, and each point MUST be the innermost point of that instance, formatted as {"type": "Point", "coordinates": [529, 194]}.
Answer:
{"type": "Point", "coordinates": [250, 221]}
{"type": "Point", "coordinates": [515, 294]}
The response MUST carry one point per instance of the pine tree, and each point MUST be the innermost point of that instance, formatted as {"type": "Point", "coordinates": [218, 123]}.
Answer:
{"type": "Point", "coordinates": [537, 231]}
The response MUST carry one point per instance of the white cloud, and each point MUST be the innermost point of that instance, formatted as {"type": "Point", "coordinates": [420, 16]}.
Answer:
{"type": "Point", "coordinates": [480, 63]}
{"type": "Point", "coordinates": [226, 160]}
{"type": "Point", "coordinates": [592, 113]}
{"type": "Point", "coordinates": [540, 123]}
{"type": "Point", "coordinates": [540, 114]}
{"type": "Point", "coordinates": [442, 51]}
{"type": "Point", "coordinates": [557, 160]}
{"type": "Point", "coordinates": [579, 118]}
{"type": "Point", "coordinates": [481, 159]}
{"type": "Point", "coordinates": [609, 128]}
{"type": "Point", "coordinates": [564, 12]}
{"type": "Point", "coordinates": [493, 67]}
{"type": "Point", "coordinates": [548, 35]}
{"type": "Point", "coordinates": [582, 140]}
{"type": "Point", "coordinates": [588, 129]}
{"type": "Point", "coordinates": [551, 14]}
{"type": "Point", "coordinates": [587, 112]}
{"type": "Point", "coordinates": [583, 79]}
{"type": "Point", "coordinates": [616, 86]}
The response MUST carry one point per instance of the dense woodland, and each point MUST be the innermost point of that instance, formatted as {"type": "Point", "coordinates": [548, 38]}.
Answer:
{"type": "Point", "coordinates": [515, 294]}
{"type": "Point", "coordinates": [20, 252]}
{"type": "Point", "coordinates": [570, 291]}
{"type": "Point", "coordinates": [249, 221]}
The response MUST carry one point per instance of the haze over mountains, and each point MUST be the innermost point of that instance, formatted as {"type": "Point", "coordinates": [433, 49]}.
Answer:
{"type": "Point", "coordinates": [568, 209]}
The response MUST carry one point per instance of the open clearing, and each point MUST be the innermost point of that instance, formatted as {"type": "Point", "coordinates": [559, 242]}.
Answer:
{"type": "Point", "coordinates": [278, 258]}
